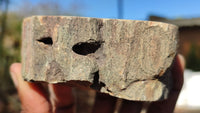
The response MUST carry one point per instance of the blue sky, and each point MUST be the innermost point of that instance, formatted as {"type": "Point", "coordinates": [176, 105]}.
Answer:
{"type": "Point", "coordinates": [133, 9]}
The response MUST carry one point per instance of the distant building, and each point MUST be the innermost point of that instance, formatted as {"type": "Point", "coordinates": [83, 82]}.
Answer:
{"type": "Point", "coordinates": [189, 33]}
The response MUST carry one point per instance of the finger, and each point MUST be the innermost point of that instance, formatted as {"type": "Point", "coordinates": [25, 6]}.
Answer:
{"type": "Point", "coordinates": [104, 103]}
{"type": "Point", "coordinates": [131, 107]}
{"type": "Point", "coordinates": [177, 73]}
{"type": "Point", "coordinates": [34, 98]}
{"type": "Point", "coordinates": [61, 98]}
{"type": "Point", "coordinates": [167, 106]}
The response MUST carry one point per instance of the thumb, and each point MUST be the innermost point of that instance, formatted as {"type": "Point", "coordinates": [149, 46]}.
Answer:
{"type": "Point", "coordinates": [34, 98]}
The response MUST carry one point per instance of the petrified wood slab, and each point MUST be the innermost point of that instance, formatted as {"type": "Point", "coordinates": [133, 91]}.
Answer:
{"type": "Point", "coordinates": [124, 58]}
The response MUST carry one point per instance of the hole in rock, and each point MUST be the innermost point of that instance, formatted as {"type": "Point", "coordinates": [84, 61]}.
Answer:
{"type": "Point", "coordinates": [46, 40]}
{"type": "Point", "coordinates": [85, 48]}
{"type": "Point", "coordinates": [96, 84]}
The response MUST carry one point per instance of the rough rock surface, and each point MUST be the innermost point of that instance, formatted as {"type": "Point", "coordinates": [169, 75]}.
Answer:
{"type": "Point", "coordinates": [125, 58]}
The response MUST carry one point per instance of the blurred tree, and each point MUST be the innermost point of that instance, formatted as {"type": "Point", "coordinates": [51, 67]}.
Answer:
{"type": "Point", "coordinates": [4, 11]}
{"type": "Point", "coordinates": [6, 86]}
{"type": "Point", "coordinates": [9, 52]}
{"type": "Point", "coordinates": [193, 60]}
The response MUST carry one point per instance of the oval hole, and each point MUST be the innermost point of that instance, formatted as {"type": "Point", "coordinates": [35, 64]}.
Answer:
{"type": "Point", "coordinates": [85, 48]}
{"type": "Point", "coordinates": [46, 40]}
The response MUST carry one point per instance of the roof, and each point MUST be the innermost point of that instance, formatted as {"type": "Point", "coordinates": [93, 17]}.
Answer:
{"type": "Point", "coordinates": [178, 22]}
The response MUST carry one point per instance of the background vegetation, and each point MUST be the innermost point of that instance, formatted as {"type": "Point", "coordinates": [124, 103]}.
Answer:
{"type": "Point", "coordinates": [193, 58]}
{"type": "Point", "coordinates": [10, 28]}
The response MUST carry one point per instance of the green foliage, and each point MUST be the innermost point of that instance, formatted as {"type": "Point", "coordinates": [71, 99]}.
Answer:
{"type": "Point", "coordinates": [9, 53]}
{"type": "Point", "coordinates": [193, 59]}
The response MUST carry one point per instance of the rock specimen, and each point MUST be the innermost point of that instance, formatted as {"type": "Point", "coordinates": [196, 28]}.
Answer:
{"type": "Point", "coordinates": [124, 58]}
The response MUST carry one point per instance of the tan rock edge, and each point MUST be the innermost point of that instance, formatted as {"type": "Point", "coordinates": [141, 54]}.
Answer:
{"type": "Point", "coordinates": [125, 58]}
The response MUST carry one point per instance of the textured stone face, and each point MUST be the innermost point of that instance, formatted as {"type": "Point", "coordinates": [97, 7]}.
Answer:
{"type": "Point", "coordinates": [124, 58]}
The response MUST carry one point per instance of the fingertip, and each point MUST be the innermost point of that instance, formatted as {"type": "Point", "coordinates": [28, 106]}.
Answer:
{"type": "Point", "coordinates": [31, 95]}
{"type": "Point", "coordinates": [15, 68]}
{"type": "Point", "coordinates": [182, 61]}
{"type": "Point", "coordinates": [15, 71]}
{"type": "Point", "coordinates": [177, 72]}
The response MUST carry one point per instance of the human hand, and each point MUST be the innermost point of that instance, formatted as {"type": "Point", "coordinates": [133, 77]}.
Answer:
{"type": "Point", "coordinates": [36, 99]}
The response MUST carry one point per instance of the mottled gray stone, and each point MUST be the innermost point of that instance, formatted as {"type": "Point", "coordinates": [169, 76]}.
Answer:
{"type": "Point", "coordinates": [125, 58]}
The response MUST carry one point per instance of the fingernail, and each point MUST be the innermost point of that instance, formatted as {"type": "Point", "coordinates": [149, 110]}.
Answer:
{"type": "Point", "coordinates": [182, 60]}
{"type": "Point", "coordinates": [14, 78]}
